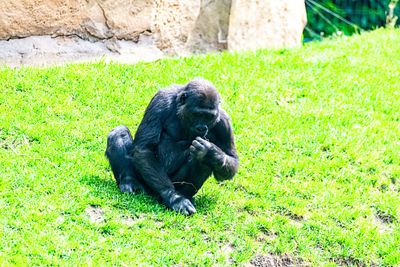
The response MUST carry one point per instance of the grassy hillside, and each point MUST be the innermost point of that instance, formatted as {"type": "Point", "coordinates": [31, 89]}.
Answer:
{"type": "Point", "coordinates": [318, 134]}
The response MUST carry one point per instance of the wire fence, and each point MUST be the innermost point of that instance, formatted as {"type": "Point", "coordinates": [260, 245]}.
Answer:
{"type": "Point", "coordinates": [326, 17]}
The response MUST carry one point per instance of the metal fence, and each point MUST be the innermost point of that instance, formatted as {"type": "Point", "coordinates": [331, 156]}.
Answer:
{"type": "Point", "coordinates": [346, 16]}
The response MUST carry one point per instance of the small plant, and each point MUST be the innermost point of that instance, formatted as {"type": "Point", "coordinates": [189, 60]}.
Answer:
{"type": "Point", "coordinates": [391, 19]}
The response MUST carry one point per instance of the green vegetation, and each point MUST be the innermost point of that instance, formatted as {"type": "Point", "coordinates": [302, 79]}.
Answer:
{"type": "Point", "coordinates": [317, 130]}
{"type": "Point", "coordinates": [362, 15]}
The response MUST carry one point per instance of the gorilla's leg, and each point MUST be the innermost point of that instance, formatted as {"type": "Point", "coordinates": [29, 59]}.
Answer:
{"type": "Point", "coordinates": [191, 177]}
{"type": "Point", "coordinates": [119, 144]}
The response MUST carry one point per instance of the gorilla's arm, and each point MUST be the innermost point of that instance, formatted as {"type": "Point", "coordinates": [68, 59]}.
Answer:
{"type": "Point", "coordinates": [145, 144]}
{"type": "Point", "coordinates": [221, 156]}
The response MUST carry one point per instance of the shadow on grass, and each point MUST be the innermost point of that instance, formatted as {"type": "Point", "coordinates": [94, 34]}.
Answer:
{"type": "Point", "coordinates": [138, 202]}
{"type": "Point", "coordinates": [106, 189]}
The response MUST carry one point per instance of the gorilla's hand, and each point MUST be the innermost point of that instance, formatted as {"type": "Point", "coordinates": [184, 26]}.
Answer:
{"type": "Point", "coordinates": [201, 147]}
{"type": "Point", "coordinates": [178, 203]}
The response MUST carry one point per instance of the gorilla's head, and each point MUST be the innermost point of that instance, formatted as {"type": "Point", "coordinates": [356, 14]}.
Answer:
{"type": "Point", "coordinates": [198, 107]}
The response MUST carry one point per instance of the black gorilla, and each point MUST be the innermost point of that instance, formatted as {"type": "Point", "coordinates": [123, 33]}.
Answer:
{"type": "Point", "coordinates": [183, 138]}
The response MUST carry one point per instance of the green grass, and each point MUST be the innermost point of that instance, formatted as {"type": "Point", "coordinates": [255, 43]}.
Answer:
{"type": "Point", "coordinates": [317, 130]}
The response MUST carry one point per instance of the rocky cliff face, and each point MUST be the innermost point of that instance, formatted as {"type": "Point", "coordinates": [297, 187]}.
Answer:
{"type": "Point", "coordinates": [46, 31]}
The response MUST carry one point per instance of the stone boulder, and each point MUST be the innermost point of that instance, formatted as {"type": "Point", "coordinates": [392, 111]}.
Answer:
{"type": "Point", "coordinates": [211, 28]}
{"type": "Point", "coordinates": [122, 19]}
{"type": "Point", "coordinates": [173, 23]}
{"type": "Point", "coordinates": [260, 24]}
{"type": "Point", "coordinates": [46, 50]}
{"type": "Point", "coordinates": [95, 28]}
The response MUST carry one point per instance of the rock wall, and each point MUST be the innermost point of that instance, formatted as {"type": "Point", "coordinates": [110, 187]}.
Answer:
{"type": "Point", "coordinates": [102, 19]}
{"type": "Point", "coordinates": [48, 31]}
{"type": "Point", "coordinates": [173, 22]}
{"type": "Point", "coordinates": [210, 31]}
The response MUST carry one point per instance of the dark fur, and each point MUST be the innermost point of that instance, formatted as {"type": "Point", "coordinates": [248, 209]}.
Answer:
{"type": "Point", "coordinates": [183, 138]}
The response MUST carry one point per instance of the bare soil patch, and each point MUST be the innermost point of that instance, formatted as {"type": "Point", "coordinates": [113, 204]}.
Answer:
{"type": "Point", "coordinates": [277, 261]}
{"type": "Point", "coordinates": [95, 214]}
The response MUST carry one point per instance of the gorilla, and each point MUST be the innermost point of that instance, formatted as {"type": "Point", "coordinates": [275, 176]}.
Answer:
{"type": "Point", "coordinates": [183, 138]}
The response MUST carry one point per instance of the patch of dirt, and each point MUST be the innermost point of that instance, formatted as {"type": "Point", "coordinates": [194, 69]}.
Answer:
{"type": "Point", "coordinates": [284, 101]}
{"type": "Point", "coordinates": [291, 215]}
{"type": "Point", "coordinates": [326, 148]}
{"type": "Point", "coordinates": [382, 226]}
{"type": "Point", "coordinates": [247, 210]}
{"type": "Point", "coordinates": [95, 214]}
{"type": "Point", "coordinates": [349, 261]}
{"type": "Point", "coordinates": [276, 261]}
{"type": "Point", "coordinates": [263, 238]}
{"type": "Point", "coordinates": [12, 142]}
{"type": "Point", "coordinates": [239, 187]}
{"type": "Point", "coordinates": [393, 186]}
{"type": "Point", "coordinates": [130, 220]}
{"type": "Point", "coordinates": [266, 235]}
{"type": "Point", "coordinates": [385, 217]}
{"type": "Point", "coordinates": [227, 250]}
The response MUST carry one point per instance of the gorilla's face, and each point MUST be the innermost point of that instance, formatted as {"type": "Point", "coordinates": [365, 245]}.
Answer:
{"type": "Point", "coordinates": [198, 108]}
